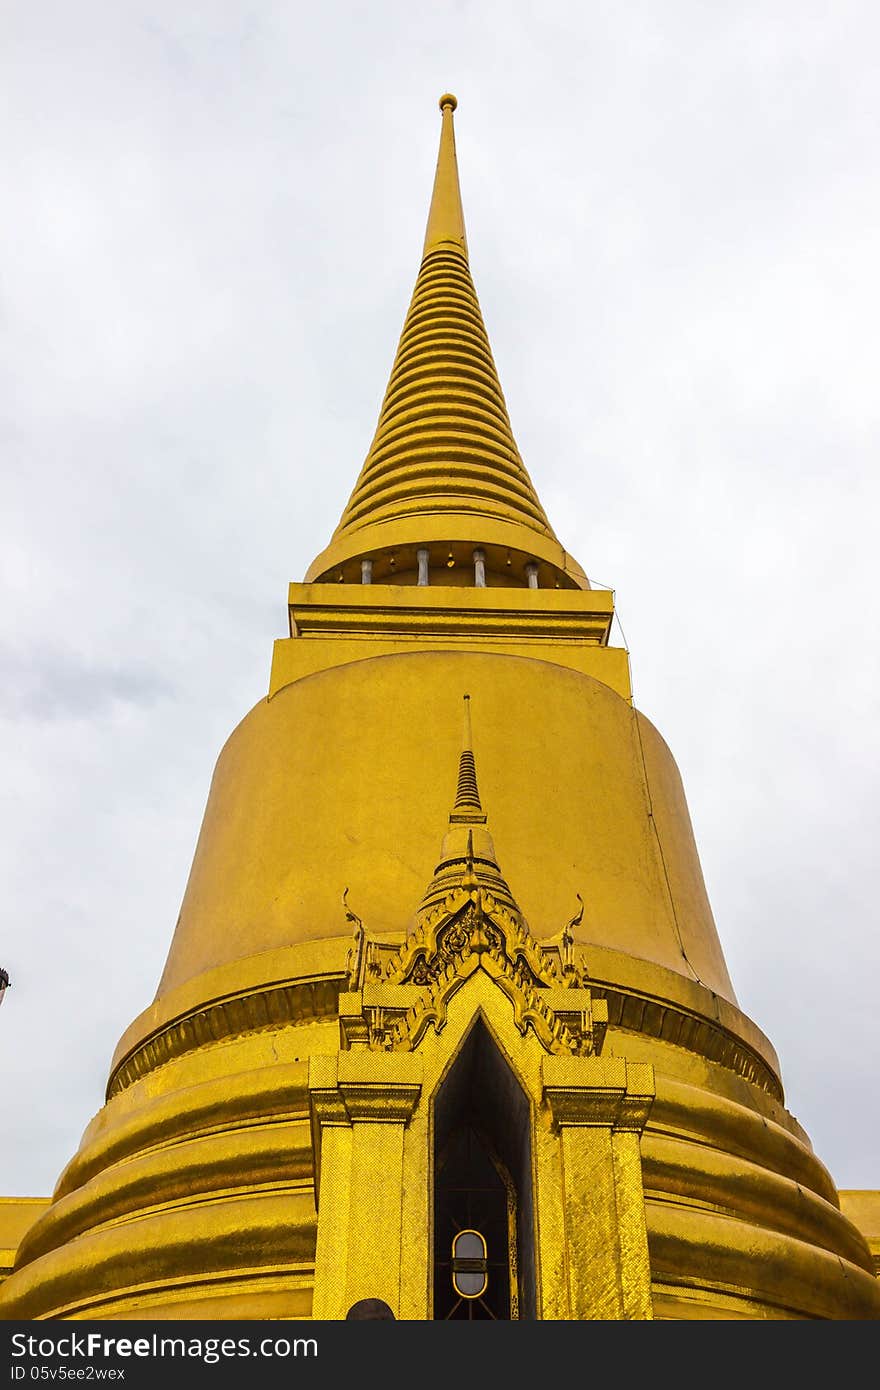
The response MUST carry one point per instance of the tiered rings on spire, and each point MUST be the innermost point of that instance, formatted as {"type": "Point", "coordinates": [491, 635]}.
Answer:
{"type": "Point", "coordinates": [443, 468]}
{"type": "Point", "coordinates": [467, 796]}
{"type": "Point", "coordinates": [468, 851]}
{"type": "Point", "coordinates": [444, 442]}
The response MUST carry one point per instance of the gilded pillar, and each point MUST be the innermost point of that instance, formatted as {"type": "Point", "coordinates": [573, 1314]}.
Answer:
{"type": "Point", "coordinates": [360, 1105]}
{"type": "Point", "coordinates": [592, 1185]}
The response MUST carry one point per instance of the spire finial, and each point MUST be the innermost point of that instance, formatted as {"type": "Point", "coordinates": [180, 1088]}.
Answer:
{"type": "Point", "coordinates": [467, 797]}
{"type": "Point", "coordinates": [467, 856]}
{"type": "Point", "coordinates": [446, 217]}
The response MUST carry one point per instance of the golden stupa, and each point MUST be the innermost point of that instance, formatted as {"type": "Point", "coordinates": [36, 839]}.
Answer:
{"type": "Point", "coordinates": [445, 1021]}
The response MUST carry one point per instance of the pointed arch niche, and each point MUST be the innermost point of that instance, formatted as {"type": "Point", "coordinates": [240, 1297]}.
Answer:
{"type": "Point", "coordinates": [482, 1180]}
{"type": "Point", "coordinates": [416, 1065]}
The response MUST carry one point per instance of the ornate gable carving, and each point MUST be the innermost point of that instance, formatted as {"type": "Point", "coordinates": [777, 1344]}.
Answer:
{"type": "Point", "coordinates": [468, 921]}
{"type": "Point", "coordinates": [392, 1007]}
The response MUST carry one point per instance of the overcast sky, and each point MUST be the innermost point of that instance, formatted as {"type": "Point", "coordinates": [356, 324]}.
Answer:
{"type": "Point", "coordinates": [212, 223]}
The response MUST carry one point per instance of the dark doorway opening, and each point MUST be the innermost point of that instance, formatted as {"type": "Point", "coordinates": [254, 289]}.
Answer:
{"type": "Point", "coordinates": [482, 1182]}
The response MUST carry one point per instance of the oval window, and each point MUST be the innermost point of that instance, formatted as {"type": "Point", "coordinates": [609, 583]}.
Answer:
{"type": "Point", "coordinates": [469, 1276]}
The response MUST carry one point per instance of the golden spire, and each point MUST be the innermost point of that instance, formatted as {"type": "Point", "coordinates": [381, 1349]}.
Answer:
{"type": "Point", "coordinates": [444, 442]}
{"type": "Point", "coordinates": [443, 466]}
{"type": "Point", "coordinates": [467, 806]}
{"type": "Point", "coordinates": [467, 855]}
{"type": "Point", "coordinates": [446, 217]}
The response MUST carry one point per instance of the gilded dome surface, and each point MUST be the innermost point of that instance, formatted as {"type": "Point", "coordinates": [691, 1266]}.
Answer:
{"type": "Point", "coordinates": [344, 780]}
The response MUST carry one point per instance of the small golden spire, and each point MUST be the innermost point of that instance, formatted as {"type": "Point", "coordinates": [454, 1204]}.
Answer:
{"type": "Point", "coordinates": [446, 217]}
{"type": "Point", "coordinates": [467, 855]}
{"type": "Point", "coordinates": [467, 797]}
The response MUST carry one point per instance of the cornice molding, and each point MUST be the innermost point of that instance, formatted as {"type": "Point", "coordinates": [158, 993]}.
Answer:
{"type": "Point", "coordinates": [291, 1002]}
{"type": "Point", "coordinates": [305, 1001]}
{"type": "Point", "coordinates": [610, 1093]}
